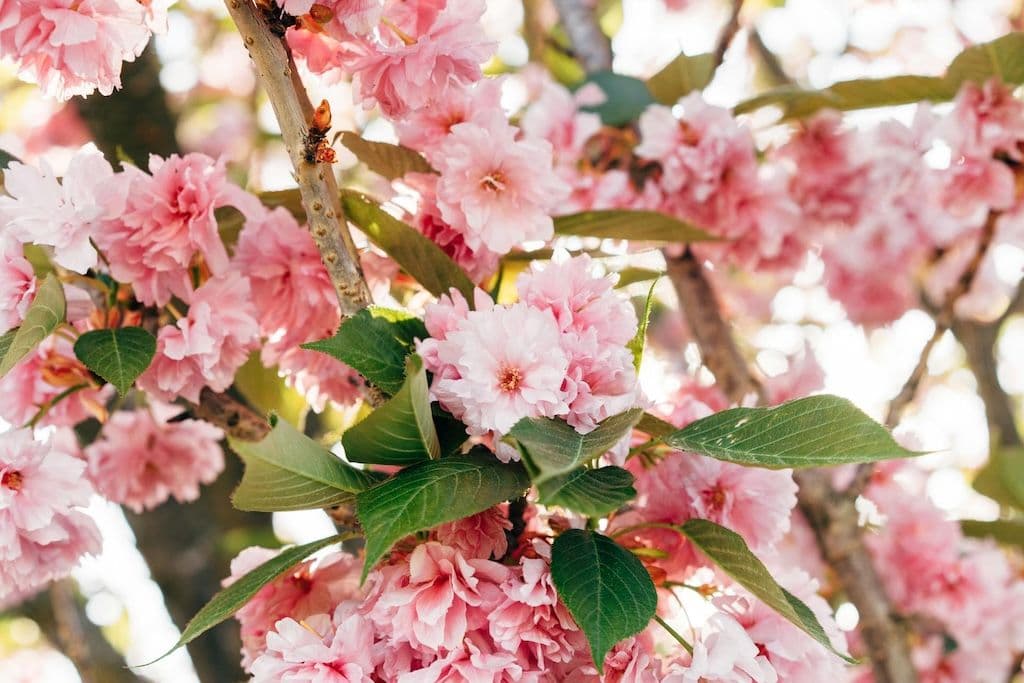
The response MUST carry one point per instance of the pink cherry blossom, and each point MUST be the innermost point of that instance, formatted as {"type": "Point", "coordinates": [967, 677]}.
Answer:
{"type": "Point", "coordinates": [497, 190]}
{"type": "Point", "coordinates": [64, 215]}
{"type": "Point", "coordinates": [986, 119]}
{"type": "Point", "coordinates": [321, 378]}
{"type": "Point", "coordinates": [141, 459]}
{"type": "Point", "coordinates": [17, 286]}
{"type": "Point", "coordinates": [474, 662]}
{"type": "Point", "coordinates": [207, 346]}
{"type": "Point", "coordinates": [425, 129]}
{"type": "Point", "coordinates": [478, 536]}
{"type": "Point", "coordinates": [722, 653]}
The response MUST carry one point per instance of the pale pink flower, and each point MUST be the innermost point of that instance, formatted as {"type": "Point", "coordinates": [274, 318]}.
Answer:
{"type": "Point", "coordinates": [64, 215]}
{"type": "Point", "coordinates": [314, 587]}
{"type": "Point", "coordinates": [141, 459]}
{"type": "Point", "coordinates": [497, 190]}
{"type": "Point", "coordinates": [207, 346]}
{"type": "Point", "coordinates": [168, 226]}
{"type": "Point", "coordinates": [42, 534]}
{"type": "Point", "coordinates": [722, 653]}
{"type": "Point", "coordinates": [985, 120]}
{"type": "Point", "coordinates": [474, 662]}
{"type": "Point", "coordinates": [320, 378]}
{"type": "Point", "coordinates": [73, 48]}
{"type": "Point", "coordinates": [17, 286]}
{"type": "Point", "coordinates": [425, 128]}
{"type": "Point", "coordinates": [435, 599]}
{"type": "Point", "coordinates": [478, 536]}
{"type": "Point", "coordinates": [555, 116]}
{"type": "Point", "coordinates": [418, 51]}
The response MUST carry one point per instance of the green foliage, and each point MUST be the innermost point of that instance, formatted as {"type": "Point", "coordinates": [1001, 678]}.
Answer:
{"type": "Point", "coordinates": [604, 586]}
{"type": "Point", "coordinates": [266, 391]}
{"type": "Point", "coordinates": [418, 255]}
{"type": "Point", "coordinates": [590, 492]}
{"type": "Point", "coordinates": [1006, 531]}
{"type": "Point", "coordinates": [431, 493]}
{"type": "Point", "coordinates": [625, 98]}
{"type": "Point", "coordinates": [375, 342]}
{"type": "Point", "coordinates": [628, 224]}
{"type": "Point", "coordinates": [809, 432]}
{"type": "Point", "coordinates": [400, 432]}
{"type": "Point", "coordinates": [730, 552]}
{"type": "Point", "coordinates": [654, 426]}
{"type": "Point", "coordinates": [1002, 477]}
{"type": "Point", "coordinates": [550, 447]}
{"type": "Point", "coordinates": [681, 76]}
{"type": "Point", "coordinates": [289, 471]}
{"type": "Point", "coordinates": [6, 339]}
{"type": "Point", "coordinates": [636, 344]}
{"type": "Point", "coordinates": [43, 316]}
{"type": "Point", "coordinates": [117, 355]}
{"type": "Point", "coordinates": [390, 161]}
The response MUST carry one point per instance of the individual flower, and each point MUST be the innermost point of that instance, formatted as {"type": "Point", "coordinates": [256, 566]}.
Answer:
{"type": "Point", "coordinates": [17, 285]}
{"type": "Point", "coordinates": [207, 346]}
{"type": "Point", "coordinates": [424, 129]}
{"type": "Point", "coordinates": [986, 119]}
{"type": "Point", "coordinates": [476, 661]}
{"type": "Point", "coordinates": [478, 536]}
{"type": "Point", "coordinates": [321, 378]}
{"type": "Point", "coordinates": [141, 459]}
{"type": "Point", "coordinates": [722, 653]}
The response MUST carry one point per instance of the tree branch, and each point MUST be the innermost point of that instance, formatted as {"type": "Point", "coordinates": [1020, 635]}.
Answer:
{"type": "Point", "coordinates": [729, 31]}
{"type": "Point", "coordinates": [317, 185]}
{"type": "Point", "coordinates": [589, 43]}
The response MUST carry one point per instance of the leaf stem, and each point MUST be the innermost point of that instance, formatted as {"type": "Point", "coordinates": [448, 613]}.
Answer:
{"type": "Point", "coordinates": [46, 407]}
{"type": "Point", "coordinates": [674, 633]}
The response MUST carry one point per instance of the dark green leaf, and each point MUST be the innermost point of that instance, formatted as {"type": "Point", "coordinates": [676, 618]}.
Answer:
{"type": "Point", "coordinates": [419, 256]}
{"type": "Point", "coordinates": [627, 224]}
{"type": "Point", "coordinates": [390, 161]}
{"type": "Point", "coordinates": [5, 160]}
{"type": "Point", "coordinates": [730, 552]}
{"type": "Point", "coordinates": [604, 586]}
{"type": "Point", "coordinates": [451, 432]}
{"type": "Point", "coordinates": [681, 76]}
{"type": "Point", "coordinates": [400, 432]}
{"type": "Point", "coordinates": [625, 98]}
{"type": "Point", "coordinates": [289, 471]}
{"type": "Point", "coordinates": [589, 492]}
{"type": "Point", "coordinates": [224, 604]}
{"type": "Point", "coordinates": [636, 344]}
{"type": "Point", "coordinates": [808, 432]}
{"type": "Point", "coordinates": [1009, 532]}
{"type": "Point", "coordinates": [552, 447]}
{"type": "Point", "coordinates": [375, 342]}
{"type": "Point", "coordinates": [431, 493]}
{"type": "Point", "coordinates": [43, 316]}
{"type": "Point", "coordinates": [117, 355]}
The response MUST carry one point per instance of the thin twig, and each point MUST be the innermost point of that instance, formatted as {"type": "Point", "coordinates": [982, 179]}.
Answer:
{"type": "Point", "coordinates": [675, 634]}
{"type": "Point", "coordinates": [729, 31]}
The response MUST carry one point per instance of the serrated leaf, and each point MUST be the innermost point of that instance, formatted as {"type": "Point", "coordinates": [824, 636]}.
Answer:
{"type": "Point", "coordinates": [551, 447]}
{"type": "Point", "coordinates": [1006, 531]}
{"type": "Point", "coordinates": [431, 493]}
{"type": "Point", "coordinates": [418, 255]}
{"type": "Point", "coordinates": [289, 471]}
{"type": "Point", "coordinates": [224, 604]}
{"type": "Point", "coordinates": [375, 343]}
{"type": "Point", "coordinates": [639, 340]}
{"type": "Point", "coordinates": [385, 159]}
{"type": "Point", "coordinates": [730, 552]}
{"type": "Point", "coordinates": [809, 432]}
{"type": "Point", "coordinates": [593, 493]}
{"type": "Point", "coordinates": [681, 76]}
{"type": "Point", "coordinates": [605, 587]}
{"type": "Point", "coordinates": [117, 355]}
{"type": "Point", "coordinates": [43, 316]}
{"type": "Point", "coordinates": [625, 98]}
{"type": "Point", "coordinates": [400, 432]}
{"type": "Point", "coordinates": [627, 224]}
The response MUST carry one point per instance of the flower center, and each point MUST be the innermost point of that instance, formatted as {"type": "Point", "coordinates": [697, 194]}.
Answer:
{"type": "Point", "coordinates": [509, 379]}
{"type": "Point", "coordinates": [714, 498]}
{"type": "Point", "coordinates": [12, 480]}
{"type": "Point", "coordinates": [494, 181]}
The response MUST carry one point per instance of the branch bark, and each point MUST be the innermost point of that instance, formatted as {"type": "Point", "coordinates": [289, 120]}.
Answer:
{"type": "Point", "coordinates": [589, 43]}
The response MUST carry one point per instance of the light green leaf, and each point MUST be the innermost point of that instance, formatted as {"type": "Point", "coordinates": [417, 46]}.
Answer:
{"type": "Point", "coordinates": [654, 426]}
{"type": "Point", "coordinates": [117, 355]}
{"type": "Point", "coordinates": [628, 276]}
{"type": "Point", "coordinates": [593, 493]}
{"type": "Point", "coordinates": [625, 98]}
{"type": "Point", "coordinates": [43, 316]}
{"type": "Point", "coordinates": [267, 392]}
{"type": "Point", "coordinates": [1006, 531]}
{"type": "Point", "coordinates": [604, 586]}
{"type": "Point", "coordinates": [431, 493]}
{"type": "Point", "coordinates": [1002, 477]}
{"type": "Point", "coordinates": [636, 344]}
{"type": "Point", "coordinates": [419, 256]}
{"type": "Point", "coordinates": [390, 161]}
{"type": "Point", "coordinates": [551, 447]}
{"type": "Point", "coordinates": [730, 552]}
{"type": "Point", "coordinates": [400, 432]}
{"type": "Point", "coordinates": [681, 76]}
{"type": "Point", "coordinates": [289, 471]}
{"type": "Point", "coordinates": [627, 224]}
{"type": "Point", "coordinates": [1002, 58]}
{"type": "Point", "coordinates": [809, 432]}
{"type": "Point", "coordinates": [375, 342]}
{"type": "Point", "coordinates": [6, 339]}
{"type": "Point", "coordinates": [224, 604]}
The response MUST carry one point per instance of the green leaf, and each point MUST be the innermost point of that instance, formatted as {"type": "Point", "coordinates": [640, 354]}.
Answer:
{"type": "Point", "coordinates": [604, 586]}
{"type": "Point", "coordinates": [431, 493]}
{"type": "Point", "coordinates": [625, 98]}
{"type": "Point", "coordinates": [631, 274]}
{"type": "Point", "coordinates": [809, 432]}
{"type": "Point", "coordinates": [6, 339]}
{"type": "Point", "coordinates": [375, 342]}
{"type": "Point", "coordinates": [593, 493]}
{"type": "Point", "coordinates": [289, 471]}
{"type": "Point", "coordinates": [626, 224]}
{"type": "Point", "coordinates": [681, 76]}
{"type": "Point", "coordinates": [551, 447]}
{"type": "Point", "coordinates": [1002, 57]}
{"type": "Point", "coordinates": [390, 161]}
{"type": "Point", "coordinates": [400, 432]}
{"type": "Point", "coordinates": [117, 355]}
{"type": "Point", "coordinates": [730, 552]}
{"type": "Point", "coordinates": [418, 255]}
{"type": "Point", "coordinates": [654, 426]}
{"type": "Point", "coordinates": [1002, 477]}
{"type": "Point", "coordinates": [224, 604]}
{"type": "Point", "coordinates": [43, 316]}
{"type": "Point", "coordinates": [266, 391]}
{"type": "Point", "coordinates": [636, 344]}
{"type": "Point", "coordinates": [1006, 531]}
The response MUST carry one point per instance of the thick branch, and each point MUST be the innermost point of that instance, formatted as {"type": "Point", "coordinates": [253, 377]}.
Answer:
{"type": "Point", "coordinates": [317, 185]}
{"type": "Point", "coordinates": [979, 341]}
{"type": "Point", "coordinates": [589, 43]}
